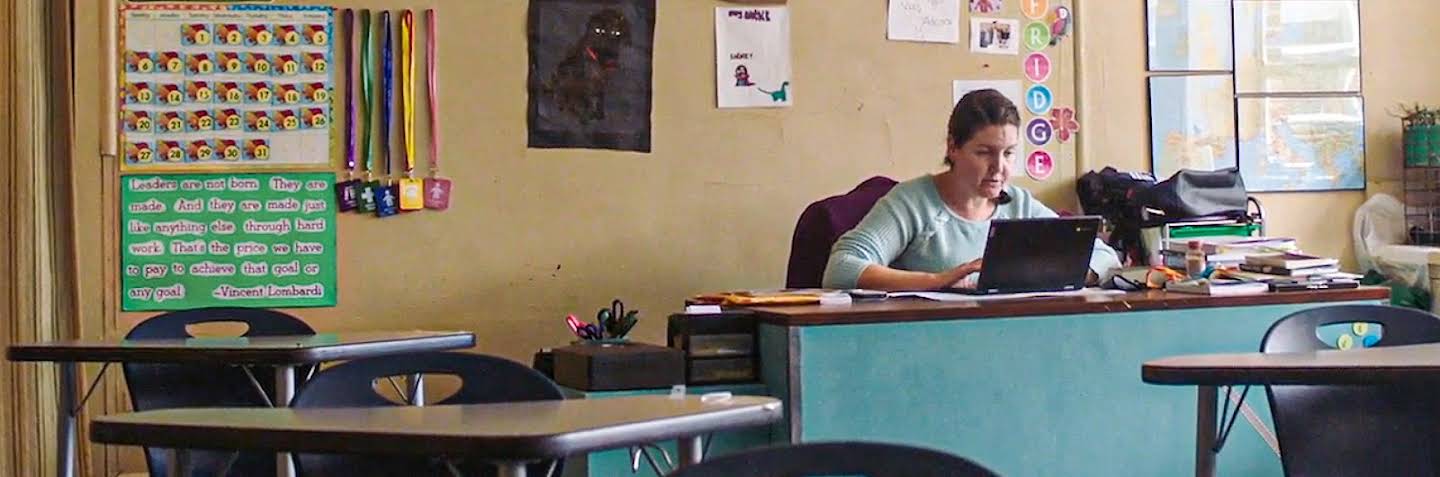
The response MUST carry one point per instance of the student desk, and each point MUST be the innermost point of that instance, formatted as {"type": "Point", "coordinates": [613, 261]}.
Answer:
{"type": "Point", "coordinates": [285, 353]}
{"type": "Point", "coordinates": [1388, 365]}
{"type": "Point", "coordinates": [507, 434]}
{"type": "Point", "coordinates": [618, 462]}
{"type": "Point", "coordinates": [1027, 387]}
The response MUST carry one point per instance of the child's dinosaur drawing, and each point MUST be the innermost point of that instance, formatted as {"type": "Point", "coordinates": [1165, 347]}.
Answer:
{"type": "Point", "coordinates": [778, 95]}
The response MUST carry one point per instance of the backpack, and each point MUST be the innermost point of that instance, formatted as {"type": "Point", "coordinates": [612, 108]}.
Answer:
{"type": "Point", "coordinates": [1112, 195]}
{"type": "Point", "coordinates": [1191, 194]}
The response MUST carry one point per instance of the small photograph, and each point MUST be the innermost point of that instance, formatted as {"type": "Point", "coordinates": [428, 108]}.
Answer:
{"type": "Point", "coordinates": [986, 6]}
{"type": "Point", "coordinates": [994, 36]}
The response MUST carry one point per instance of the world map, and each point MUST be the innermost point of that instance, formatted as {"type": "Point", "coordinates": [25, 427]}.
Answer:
{"type": "Point", "coordinates": [1298, 144]}
{"type": "Point", "coordinates": [1192, 123]}
{"type": "Point", "coordinates": [1189, 35]}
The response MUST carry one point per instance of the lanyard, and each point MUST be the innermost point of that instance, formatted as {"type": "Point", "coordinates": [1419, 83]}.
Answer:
{"type": "Point", "coordinates": [349, 20]}
{"type": "Point", "coordinates": [367, 87]}
{"type": "Point", "coordinates": [407, 87]}
{"type": "Point", "coordinates": [434, 93]}
{"type": "Point", "coordinates": [387, 69]}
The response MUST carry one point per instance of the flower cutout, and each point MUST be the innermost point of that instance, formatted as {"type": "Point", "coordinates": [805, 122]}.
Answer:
{"type": "Point", "coordinates": [1062, 120]}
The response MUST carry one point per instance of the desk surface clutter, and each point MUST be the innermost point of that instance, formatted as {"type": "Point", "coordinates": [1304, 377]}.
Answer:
{"type": "Point", "coordinates": [914, 309]}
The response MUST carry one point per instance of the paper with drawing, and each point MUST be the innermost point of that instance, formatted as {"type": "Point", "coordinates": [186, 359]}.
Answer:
{"type": "Point", "coordinates": [752, 57]}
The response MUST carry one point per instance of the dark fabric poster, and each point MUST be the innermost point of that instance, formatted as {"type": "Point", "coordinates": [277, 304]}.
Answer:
{"type": "Point", "coordinates": [590, 69]}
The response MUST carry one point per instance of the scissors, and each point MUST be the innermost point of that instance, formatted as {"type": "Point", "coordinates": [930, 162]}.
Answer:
{"type": "Point", "coordinates": [585, 331]}
{"type": "Point", "coordinates": [616, 319]}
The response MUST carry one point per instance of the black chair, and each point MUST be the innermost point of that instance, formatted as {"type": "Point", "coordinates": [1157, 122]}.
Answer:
{"type": "Point", "coordinates": [869, 459]}
{"type": "Point", "coordinates": [483, 379]}
{"type": "Point", "coordinates": [164, 386]}
{"type": "Point", "coordinates": [1355, 430]}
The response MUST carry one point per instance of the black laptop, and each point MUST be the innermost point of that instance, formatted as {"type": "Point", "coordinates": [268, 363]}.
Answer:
{"type": "Point", "coordinates": [1036, 255]}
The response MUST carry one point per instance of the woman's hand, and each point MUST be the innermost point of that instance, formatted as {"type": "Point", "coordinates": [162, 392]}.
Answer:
{"type": "Point", "coordinates": [880, 277]}
{"type": "Point", "coordinates": [960, 276]}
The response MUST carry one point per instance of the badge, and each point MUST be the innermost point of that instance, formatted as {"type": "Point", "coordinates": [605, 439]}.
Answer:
{"type": "Point", "coordinates": [411, 197]}
{"type": "Point", "coordinates": [437, 193]}
{"type": "Point", "coordinates": [367, 196]}
{"type": "Point", "coordinates": [386, 202]}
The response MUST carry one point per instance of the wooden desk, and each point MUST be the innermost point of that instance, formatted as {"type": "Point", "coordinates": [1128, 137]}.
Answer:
{"type": "Point", "coordinates": [508, 434]}
{"type": "Point", "coordinates": [1042, 386]}
{"type": "Point", "coordinates": [1389, 365]}
{"type": "Point", "coordinates": [901, 310]}
{"type": "Point", "coordinates": [285, 353]}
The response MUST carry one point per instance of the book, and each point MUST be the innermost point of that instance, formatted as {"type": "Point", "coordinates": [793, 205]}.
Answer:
{"type": "Point", "coordinates": [1291, 260]}
{"type": "Point", "coordinates": [1224, 245]}
{"type": "Point", "coordinates": [1312, 284]}
{"type": "Point", "coordinates": [1290, 272]}
{"type": "Point", "coordinates": [1218, 287]}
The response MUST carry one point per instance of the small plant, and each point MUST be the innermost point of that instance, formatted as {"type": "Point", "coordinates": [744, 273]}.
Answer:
{"type": "Point", "coordinates": [1418, 115]}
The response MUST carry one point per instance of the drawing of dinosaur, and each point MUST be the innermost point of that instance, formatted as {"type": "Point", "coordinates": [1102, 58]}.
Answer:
{"type": "Point", "coordinates": [778, 95]}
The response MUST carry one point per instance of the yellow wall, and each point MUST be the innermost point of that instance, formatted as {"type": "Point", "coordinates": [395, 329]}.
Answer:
{"type": "Point", "coordinates": [536, 234]}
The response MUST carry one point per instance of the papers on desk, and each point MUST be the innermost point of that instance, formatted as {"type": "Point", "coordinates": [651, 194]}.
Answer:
{"type": "Point", "coordinates": [943, 296]}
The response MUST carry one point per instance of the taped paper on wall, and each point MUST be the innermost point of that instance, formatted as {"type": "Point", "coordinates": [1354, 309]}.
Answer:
{"type": "Point", "coordinates": [994, 36]}
{"type": "Point", "coordinates": [752, 57]}
{"type": "Point", "coordinates": [935, 21]}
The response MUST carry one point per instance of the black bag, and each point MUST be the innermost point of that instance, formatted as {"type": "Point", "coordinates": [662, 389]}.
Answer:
{"type": "Point", "coordinates": [1192, 194]}
{"type": "Point", "coordinates": [1111, 194]}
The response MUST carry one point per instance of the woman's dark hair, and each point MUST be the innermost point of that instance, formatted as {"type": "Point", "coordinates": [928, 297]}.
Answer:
{"type": "Point", "coordinates": [977, 110]}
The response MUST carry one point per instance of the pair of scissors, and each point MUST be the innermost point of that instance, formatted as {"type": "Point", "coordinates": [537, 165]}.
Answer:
{"type": "Point", "coordinates": [616, 319]}
{"type": "Point", "coordinates": [585, 331]}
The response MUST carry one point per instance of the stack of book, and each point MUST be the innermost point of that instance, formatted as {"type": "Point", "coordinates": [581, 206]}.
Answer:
{"type": "Point", "coordinates": [1290, 264]}
{"type": "Point", "coordinates": [1225, 252]}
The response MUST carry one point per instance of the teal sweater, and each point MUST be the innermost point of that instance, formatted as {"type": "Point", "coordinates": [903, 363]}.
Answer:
{"type": "Point", "coordinates": [911, 228]}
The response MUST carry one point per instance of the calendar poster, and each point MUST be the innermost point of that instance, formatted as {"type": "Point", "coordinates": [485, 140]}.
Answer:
{"type": "Point", "coordinates": [208, 87]}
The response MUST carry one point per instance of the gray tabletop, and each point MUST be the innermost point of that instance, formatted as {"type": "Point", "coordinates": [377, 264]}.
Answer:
{"type": "Point", "coordinates": [507, 431]}
{"type": "Point", "coordinates": [297, 349]}
{"type": "Point", "coordinates": [1387, 365]}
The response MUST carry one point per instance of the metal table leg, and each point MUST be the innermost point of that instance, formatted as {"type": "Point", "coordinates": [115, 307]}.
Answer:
{"type": "Point", "coordinates": [417, 390]}
{"type": "Point", "coordinates": [510, 469]}
{"type": "Point", "coordinates": [692, 449]}
{"type": "Point", "coordinates": [284, 392]}
{"type": "Point", "coordinates": [65, 434]}
{"type": "Point", "coordinates": [1205, 424]}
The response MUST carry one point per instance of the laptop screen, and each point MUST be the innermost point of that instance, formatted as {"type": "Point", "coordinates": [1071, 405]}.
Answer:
{"type": "Point", "coordinates": [1040, 254]}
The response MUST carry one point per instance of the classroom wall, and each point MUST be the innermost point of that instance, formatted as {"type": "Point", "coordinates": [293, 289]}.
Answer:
{"type": "Point", "coordinates": [1112, 62]}
{"type": "Point", "coordinates": [536, 234]}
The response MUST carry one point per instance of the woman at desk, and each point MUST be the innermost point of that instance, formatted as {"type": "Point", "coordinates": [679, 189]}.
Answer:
{"type": "Point", "coordinates": [929, 232]}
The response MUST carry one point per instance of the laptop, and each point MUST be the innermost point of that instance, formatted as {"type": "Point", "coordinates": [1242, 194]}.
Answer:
{"type": "Point", "coordinates": [1036, 255]}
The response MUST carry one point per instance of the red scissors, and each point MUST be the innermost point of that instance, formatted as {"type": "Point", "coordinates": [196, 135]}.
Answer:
{"type": "Point", "coordinates": [585, 331]}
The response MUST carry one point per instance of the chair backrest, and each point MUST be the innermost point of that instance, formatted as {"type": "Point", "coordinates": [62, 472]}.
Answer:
{"type": "Point", "coordinates": [1355, 430]}
{"type": "Point", "coordinates": [822, 223]}
{"type": "Point", "coordinates": [165, 386]}
{"type": "Point", "coordinates": [868, 459]}
{"type": "Point", "coordinates": [483, 379]}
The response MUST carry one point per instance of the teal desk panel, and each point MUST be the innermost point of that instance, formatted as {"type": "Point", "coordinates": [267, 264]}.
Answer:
{"type": "Point", "coordinates": [616, 463]}
{"type": "Point", "coordinates": [1026, 396]}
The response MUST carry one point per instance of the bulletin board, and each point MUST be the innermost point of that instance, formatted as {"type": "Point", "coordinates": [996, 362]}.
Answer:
{"type": "Point", "coordinates": [227, 239]}
{"type": "Point", "coordinates": [210, 87]}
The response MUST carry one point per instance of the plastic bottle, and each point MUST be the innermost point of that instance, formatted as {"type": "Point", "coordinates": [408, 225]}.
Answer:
{"type": "Point", "coordinates": [1194, 259]}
